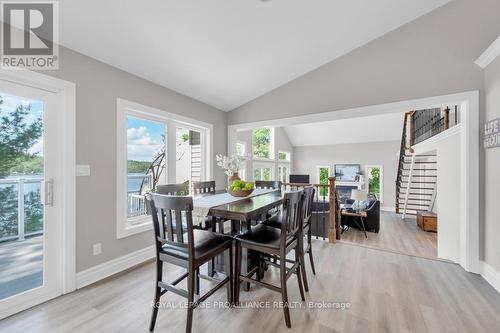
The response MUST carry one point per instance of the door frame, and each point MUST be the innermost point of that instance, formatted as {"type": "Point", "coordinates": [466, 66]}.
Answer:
{"type": "Point", "coordinates": [469, 257]}
{"type": "Point", "coordinates": [65, 100]}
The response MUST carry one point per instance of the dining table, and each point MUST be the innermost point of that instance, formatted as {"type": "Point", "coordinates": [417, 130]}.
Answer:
{"type": "Point", "coordinates": [241, 211]}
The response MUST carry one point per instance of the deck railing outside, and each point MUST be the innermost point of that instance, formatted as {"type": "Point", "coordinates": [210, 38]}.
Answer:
{"type": "Point", "coordinates": [136, 202]}
{"type": "Point", "coordinates": [26, 191]}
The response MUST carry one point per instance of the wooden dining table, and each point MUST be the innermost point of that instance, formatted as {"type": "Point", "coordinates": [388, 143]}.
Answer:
{"type": "Point", "coordinates": [242, 213]}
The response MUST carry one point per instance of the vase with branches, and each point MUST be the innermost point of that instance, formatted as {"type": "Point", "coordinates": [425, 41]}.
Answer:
{"type": "Point", "coordinates": [231, 164]}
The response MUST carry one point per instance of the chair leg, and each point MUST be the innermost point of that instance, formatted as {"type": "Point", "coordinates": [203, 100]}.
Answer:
{"type": "Point", "coordinates": [299, 274]}
{"type": "Point", "coordinates": [284, 293]}
{"type": "Point", "coordinates": [159, 276]}
{"type": "Point", "coordinates": [237, 274]}
{"type": "Point", "coordinates": [191, 283]}
{"type": "Point", "coordinates": [229, 272]}
{"type": "Point", "coordinates": [299, 255]}
{"type": "Point", "coordinates": [197, 282]}
{"type": "Point", "coordinates": [309, 243]}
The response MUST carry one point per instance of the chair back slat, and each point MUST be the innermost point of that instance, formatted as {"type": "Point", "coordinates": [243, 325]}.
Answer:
{"type": "Point", "coordinates": [168, 222]}
{"type": "Point", "coordinates": [178, 226]}
{"type": "Point", "coordinates": [204, 187]}
{"type": "Point", "coordinates": [169, 214]}
{"type": "Point", "coordinates": [173, 189]}
{"type": "Point", "coordinates": [268, 184]}
{"type": "Point", "coordinates": [308, 203]}
{"type": "Point", "coordinates": [292, 214]}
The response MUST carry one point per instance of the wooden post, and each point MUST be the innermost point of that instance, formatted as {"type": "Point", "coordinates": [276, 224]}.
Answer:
{"type": "Point", "coordinates": [446, 118]}
{"type": "Point", "coordinates": [333, 220]}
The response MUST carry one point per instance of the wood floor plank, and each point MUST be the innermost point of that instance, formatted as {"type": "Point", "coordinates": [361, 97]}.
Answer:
{"type": "Point", "coordinates": [385, 292]}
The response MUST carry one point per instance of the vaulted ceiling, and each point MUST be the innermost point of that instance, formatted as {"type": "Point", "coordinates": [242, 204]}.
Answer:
{"type": "Point", "coordinates": [226, 53]}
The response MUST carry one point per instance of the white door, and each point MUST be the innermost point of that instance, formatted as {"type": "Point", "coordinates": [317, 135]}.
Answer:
{"type": "Point", "coordinates": [30, 210]}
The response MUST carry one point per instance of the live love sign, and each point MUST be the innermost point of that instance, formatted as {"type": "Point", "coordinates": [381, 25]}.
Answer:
{"type": "Point", "coordinates": [492, 133]}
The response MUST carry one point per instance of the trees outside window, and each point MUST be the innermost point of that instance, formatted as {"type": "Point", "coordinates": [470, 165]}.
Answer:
{"type": "Point", "coordinates": [374, 174]}
{"type": "Point", "coordinates": [323, 175]}
{"type": "Point", "coordinates": [262, 139]}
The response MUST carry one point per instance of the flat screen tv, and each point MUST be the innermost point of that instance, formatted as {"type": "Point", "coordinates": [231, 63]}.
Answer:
{"type": "Point", "coordinates": [299, 179]}
{"type": "Point", "coordinates": [346, 172]}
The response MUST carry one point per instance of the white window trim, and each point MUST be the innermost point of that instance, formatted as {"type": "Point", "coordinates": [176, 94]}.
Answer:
{"type": "Point", "coordinates": [271, 146]}
{"type": "Point", "coordinates": [127, 108]}
{"type": "Point", "coordinates": [261, 165]}
{"type": "Point", "coordinates": [244, 144]}
{"type": "Point", "coordinates": [288, 165]}
{"type": "Point", "coordinates": [367, 180]}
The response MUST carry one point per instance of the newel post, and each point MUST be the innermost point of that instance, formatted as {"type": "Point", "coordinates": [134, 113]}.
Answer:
{"type": "Point", "coordinates": [332, 223]}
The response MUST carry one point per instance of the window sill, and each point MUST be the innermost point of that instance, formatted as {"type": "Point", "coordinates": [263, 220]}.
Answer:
{"type": "Point", "coordinates": [140, 224]}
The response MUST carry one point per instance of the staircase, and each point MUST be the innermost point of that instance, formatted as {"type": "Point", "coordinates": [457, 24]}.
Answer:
{"type": "Point", "coordinates": [417, 175]}
{"type": "Point", "coordinates": [416, 184]}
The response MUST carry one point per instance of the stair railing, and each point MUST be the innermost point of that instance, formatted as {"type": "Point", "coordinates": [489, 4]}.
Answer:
{"type": "Point", "coordinates": [402, 151]}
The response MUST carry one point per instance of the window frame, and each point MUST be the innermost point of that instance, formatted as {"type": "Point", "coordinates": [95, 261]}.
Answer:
{"type": "Point", "coordinates": [284, 165]}
{"type": "Point", "coordinates": [260, 165]}
{"type": "Point", "coordinates": [127, 108]}
{"type": "Point", "coordinates": [288, 154]}
{"type": "Point", "coordinates": [271, 145]}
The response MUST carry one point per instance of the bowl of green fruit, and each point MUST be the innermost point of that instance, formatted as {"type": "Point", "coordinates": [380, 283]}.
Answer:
{"type": "Point", "coordinates": [240, 188]}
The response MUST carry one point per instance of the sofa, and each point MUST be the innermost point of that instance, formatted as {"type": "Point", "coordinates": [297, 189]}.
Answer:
{"type": "Point", "coordinates": [372, 222]}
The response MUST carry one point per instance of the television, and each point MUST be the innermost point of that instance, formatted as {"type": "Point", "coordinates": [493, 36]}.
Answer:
{"type": "Point", "coordinates": [299, 179]}
{"type": "Point", "coordinates": [347, 172]}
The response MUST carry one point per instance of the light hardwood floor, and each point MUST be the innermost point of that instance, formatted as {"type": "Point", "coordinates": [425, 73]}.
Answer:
{"type": "Point", "coordinates": [387, 292]}
{"type": "Point", "coordinates": [397, 235]}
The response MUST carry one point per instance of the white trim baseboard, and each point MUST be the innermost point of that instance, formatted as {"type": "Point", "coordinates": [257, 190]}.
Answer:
{"type": "Point", "coordinates": [117, 265]}
{"type": "Point", "coordinates": [491, 275]}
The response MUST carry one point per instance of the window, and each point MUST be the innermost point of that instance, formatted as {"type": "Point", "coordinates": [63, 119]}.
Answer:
{"type": "Point", "coordinates": [189, 155]}
{"type": "Point", "coordinates": [262, 141]}
{"type": "Point", "coordinates": [284, 173]}
{"type": "Point", "coordinates": [145, 145]}
{"type": "Point", "coordinates": [154, 147]}
{"type": "Point", "coordinates": [241, 148]}
{"type": "Point", "coordinates": [284, 156]}
{"type": "Point", "coordinates": [262, 172]}
{"type": "Point", "coordinates": [375, 175]}
{"type": "Point", "coordinates": [323, 173]}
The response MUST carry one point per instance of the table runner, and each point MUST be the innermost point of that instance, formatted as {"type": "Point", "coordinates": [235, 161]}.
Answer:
{"type": "Point", "coordinates": [202, 205]}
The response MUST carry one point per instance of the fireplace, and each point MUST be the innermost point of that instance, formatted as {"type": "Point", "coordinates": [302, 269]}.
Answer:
{"type": "Point", "coordinates": [344, 192]}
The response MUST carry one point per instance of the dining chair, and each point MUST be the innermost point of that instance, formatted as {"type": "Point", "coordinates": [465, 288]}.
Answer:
{"type": "Point", "coordinates": [306, 214]}
{"type": "Point", "coordinates": [173, 189]}
{"type": "Point", "coordinates": [204, 187]}
{"type": "Point", "coordinates": [268, 184]}
{"type": "Point", "coordinates": [186, 247]}
{"type": "Point", "coordinates": [267, 240]}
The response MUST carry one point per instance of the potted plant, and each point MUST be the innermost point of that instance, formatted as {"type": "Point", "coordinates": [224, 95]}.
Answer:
{"type": "Point", "coordinates": [231, 165]}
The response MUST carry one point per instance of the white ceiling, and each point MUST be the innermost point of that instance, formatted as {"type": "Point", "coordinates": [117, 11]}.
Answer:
{"type": "Point", "coordinates": [226, 53]}
{"type": "Point", "coordinates": [386, 127]}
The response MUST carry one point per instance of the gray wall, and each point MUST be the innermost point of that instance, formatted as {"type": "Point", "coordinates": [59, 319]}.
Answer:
{"type": "Point", "coordinates": [306, 159]}
{"type": "Point", "coordinates": [433, 55]}
{"type": "Point", "coordinates": [97, 87]}
{"type": "Point", "coordinates": [491, 172]}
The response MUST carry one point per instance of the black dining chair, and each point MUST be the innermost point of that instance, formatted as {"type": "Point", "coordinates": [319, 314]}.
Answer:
{"type": "Point", "coordinates": [268, 184]}
{"type": "Point", "coordinates": [173, 189]}
{"type": "Point", "coordinates": [306, 214]}
{"type": "Point", "coordinates": [270, 241]}
{"type": "Point", "coordinates": [204, 187]}
{"type": "Point", "coordinates": [186, 247]}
